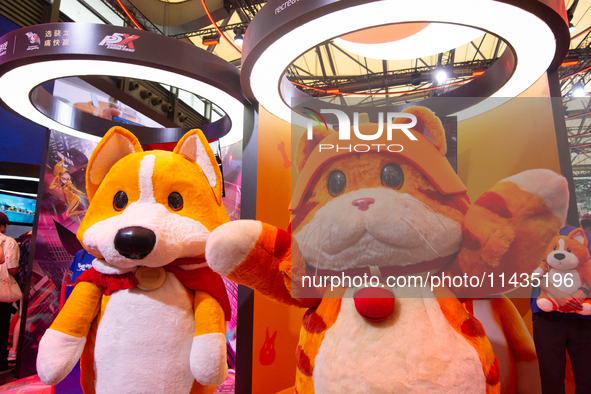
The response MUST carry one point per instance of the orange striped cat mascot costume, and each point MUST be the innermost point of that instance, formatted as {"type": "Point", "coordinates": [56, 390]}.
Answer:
{"type": "Point", "coordinates": [392, 214]}
{"type": "Point", "coordinates": [149, 316]}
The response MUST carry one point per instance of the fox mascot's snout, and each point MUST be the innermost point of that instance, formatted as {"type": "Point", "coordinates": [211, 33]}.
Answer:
{"type": "Point", "coordinates": [134, 242]}
{"type": "Point", "coordinates": [149, 316]}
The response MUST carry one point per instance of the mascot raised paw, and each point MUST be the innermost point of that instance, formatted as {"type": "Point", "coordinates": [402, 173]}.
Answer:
{"type": "Point", "coordinates": [567, 267]}
{"type": "Point", "coordinates": [399, 217]}
{"type": "Point", "coordinates": [149, 316]}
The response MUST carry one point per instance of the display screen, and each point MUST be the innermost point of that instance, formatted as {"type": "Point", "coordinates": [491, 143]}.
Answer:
{"type": "Point", "coordinates": [19, 209]}
{"type": "Point", "coordinates": [121, 120]}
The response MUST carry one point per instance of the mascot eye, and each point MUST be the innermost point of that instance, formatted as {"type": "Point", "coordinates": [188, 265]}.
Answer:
{"type": "Point", "coordinates": [120, 201]}
{"type": "Point", "coordinates": [336, 182]}
{"type": "Point", "coordinates": [568, 250]}
{"type": "Point", "coordinates": [554, 248]}
{"type": "Point", "coordinates": [392, 175]}
{"type": "Point", "coordinates": [175, 201]}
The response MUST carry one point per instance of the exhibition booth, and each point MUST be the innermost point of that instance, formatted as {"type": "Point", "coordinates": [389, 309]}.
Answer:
{"type": "Point", "coordinates": [311, 237]}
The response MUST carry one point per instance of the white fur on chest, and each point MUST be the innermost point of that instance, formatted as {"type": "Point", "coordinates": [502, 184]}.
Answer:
{"type": "Point", "coordinates": [413, 351]}
{"type": "Point", "coordinates": [144, 341]}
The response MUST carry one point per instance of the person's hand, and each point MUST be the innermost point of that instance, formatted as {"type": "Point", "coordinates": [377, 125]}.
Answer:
{"type": "Point", "coordinates": [580, 295]}
{"type": "Point", "coordinates": [566, 303]}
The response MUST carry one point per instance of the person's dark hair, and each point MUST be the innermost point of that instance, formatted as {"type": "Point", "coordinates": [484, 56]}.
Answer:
{"type": "Point", "coordinates": [585, 220]}
{"type": "Point", "coordinates": [3, 219]}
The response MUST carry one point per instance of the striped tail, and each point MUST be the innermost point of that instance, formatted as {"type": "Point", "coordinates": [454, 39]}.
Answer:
{"type": "Point", "coordinates": [314, 326]}
{"type": "Point", "coordinates": [507, 229]}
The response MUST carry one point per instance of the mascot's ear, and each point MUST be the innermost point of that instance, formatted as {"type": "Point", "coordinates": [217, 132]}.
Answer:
{"type": "Point", "coordinates": [428, 125]}
{"type": "Point", "coordinates": [306, 147]}
{"type": "Point", "coordinates": [194, 145]}
{"type": "Point", "coordinates": [116, 144]}
{"type": "Point", "coordinates": [578, 235]}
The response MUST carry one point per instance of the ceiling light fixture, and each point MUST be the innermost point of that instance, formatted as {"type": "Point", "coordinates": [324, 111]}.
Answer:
{"type": "Point", "coordinates": [210, 40]}
{"type": "Point", "coordinates": [441, 76]}
{"type": "Point", "coordinates": [239, 36]}
{"type": "Point", "coordinates": [278, 35]}
{"type": "Point", "coordinates": [415, 78]}
{"type": "Point", "coordinates": [579, 91]}
{"type": "Point", "coordinates": [435, 38]}
{"type": "Point", "coordinates": [569, 62]}
{"type": "Point", "coordinates": [570, 13]}
{"type": "Point", "coordinates": [130, 54]}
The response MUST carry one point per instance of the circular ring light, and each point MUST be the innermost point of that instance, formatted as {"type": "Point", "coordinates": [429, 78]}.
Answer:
{"type": "Point", "coordinates": [32, 56]}
{"type": "Point", "coordinates": [434, 38]}
{"type": "Point", "coordinates": [536, 34]}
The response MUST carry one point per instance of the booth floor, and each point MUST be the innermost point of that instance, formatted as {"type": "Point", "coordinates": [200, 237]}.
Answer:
{"type": "Point", "coordinates": [32, 385]}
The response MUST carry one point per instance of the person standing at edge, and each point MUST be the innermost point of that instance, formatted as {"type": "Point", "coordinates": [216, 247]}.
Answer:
{"type": "Point", "coordinates": [11, 258]}
{"type": "Point", "coordinates": [557, 332]}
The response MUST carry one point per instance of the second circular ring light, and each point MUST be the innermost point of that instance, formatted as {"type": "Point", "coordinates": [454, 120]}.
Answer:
{"type": "Point", "coordinates": [536, 37]}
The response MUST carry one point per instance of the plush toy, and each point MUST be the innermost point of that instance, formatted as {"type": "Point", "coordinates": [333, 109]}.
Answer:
{"type": "Point", "coordinates": [149, 316]}
{"type": "Point", "coordinates": [392, 214]}
{"type": "Point", "coordinates": [567, 267]}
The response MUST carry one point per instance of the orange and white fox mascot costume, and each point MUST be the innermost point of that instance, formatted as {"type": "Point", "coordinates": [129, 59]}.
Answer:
{"type": "Point", "coordinates": [149, 316]}
{"type": "Point", "coordinates": [566, 266]}
{"type": "Point", "coordinates": [396, 214]}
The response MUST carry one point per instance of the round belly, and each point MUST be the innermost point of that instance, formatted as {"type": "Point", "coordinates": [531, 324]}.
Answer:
{"type": "Point", "coordinates": [415, 350]}
{"type": "Point", "coordinates": [144, 340]}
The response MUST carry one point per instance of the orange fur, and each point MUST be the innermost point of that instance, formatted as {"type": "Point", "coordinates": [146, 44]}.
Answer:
{"type": "Point", "coordinates": [576, 248]}
{"type": "Point", "coordinates": [272, 281]}
{"type": "Point", "coordinates": [503, 231]}
{"type": "Point", "coordinates": [460, 319]}
{"type": "Point", "coordinates": [573, 248]}
{"type": "Point", "coordinates": [175, 197]}
{"type": "Point", "coordinates": [363, 171]}
{"type": "Point", "coordinates": [305, 146]}
{"type": "Point", "coordinates": [427, 124]}
{"type": "Point", "coordinates": [325, 315]}
{"type": "Point", "coordinates": [201, 206]}
{"type": "Point", "coordinates": [507, 234]}
{"type": "Point", "coordinates": [507, 317]}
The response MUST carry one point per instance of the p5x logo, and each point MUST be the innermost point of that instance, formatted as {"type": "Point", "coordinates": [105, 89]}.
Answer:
{"type": "Point", "coordinates": [120, 42]}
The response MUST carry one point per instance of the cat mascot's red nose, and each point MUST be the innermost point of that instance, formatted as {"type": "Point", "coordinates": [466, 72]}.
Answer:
{"type": "Point", "coordinates": [374, 303]}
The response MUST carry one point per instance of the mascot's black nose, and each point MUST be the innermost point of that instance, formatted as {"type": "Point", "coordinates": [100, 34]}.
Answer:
{"type": "Point", "coordinates": [134, 242]}
{"type": "Point", "coordinates": [559, 256]}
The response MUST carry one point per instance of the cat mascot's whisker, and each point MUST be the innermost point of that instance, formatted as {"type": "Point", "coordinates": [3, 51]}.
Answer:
{"type": "Point", "coordinates": [426, 206]}
{"type": "Point", "coordinates": [421, 235]}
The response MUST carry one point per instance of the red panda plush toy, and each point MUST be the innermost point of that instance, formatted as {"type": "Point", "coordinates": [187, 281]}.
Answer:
{"type": "Point", "coordinates": [567, 267]}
